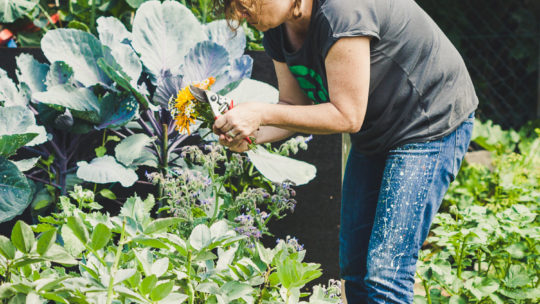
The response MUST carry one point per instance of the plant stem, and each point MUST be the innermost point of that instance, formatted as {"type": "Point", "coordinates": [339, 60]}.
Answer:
{"type": "Point", "coordinates": [116, 262]}
{"type": "Point", "coordinates": [93, 17]}
{"type": "Point", "coordinates": [47, 15]}
{"type": "Point", "coordinates": [460, 257]}
{"type": "Point", "coordinates": [426, 288]}
{"type": "Point", "coordinates": [43, 181]}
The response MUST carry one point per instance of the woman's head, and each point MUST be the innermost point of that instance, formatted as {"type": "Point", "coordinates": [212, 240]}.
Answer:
{"type": "Point", "coordinates": [262, 14]}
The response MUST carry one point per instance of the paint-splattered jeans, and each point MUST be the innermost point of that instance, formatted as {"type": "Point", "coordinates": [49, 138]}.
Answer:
{"type": "Point", "coordinates": [388, 204]}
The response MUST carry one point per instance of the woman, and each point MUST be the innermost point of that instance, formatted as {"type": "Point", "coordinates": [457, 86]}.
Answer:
{"type": "Point", "coordinates": [383, 71]}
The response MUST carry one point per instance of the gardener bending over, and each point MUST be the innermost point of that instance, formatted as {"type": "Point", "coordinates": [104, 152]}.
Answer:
{"type": "Point", "coordinates": [383, 71]}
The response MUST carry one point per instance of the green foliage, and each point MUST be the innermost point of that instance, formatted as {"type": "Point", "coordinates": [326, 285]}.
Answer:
{"type": "Point", "coordinates": [135, 258]}
{"type": "Point", "coordinates": [83, 15]}
{"type": "Point", "coordinates": [484, 247]}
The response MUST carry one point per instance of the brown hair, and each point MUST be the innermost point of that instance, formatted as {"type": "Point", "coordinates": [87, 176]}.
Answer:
{"type": "Point", "coordinates": [233, 10]}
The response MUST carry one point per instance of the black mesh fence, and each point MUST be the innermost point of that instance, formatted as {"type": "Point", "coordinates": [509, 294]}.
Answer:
{"type": "Point", "coordinates": [500, 43]}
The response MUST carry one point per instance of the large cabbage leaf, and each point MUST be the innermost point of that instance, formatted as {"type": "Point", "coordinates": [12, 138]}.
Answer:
{"type": "Point", "coordinates": [163, 33]}
{"type": "Point", "coordinates": [18, 128]}
{"type": "Point", "coordinates": [81, 51]}
{"type": "Point", "coordinates": [204, 60]}
{"type": "Point", "coordinates": [31, 74]}
{"type": "Point", "coordinates": [11, 10]}
{"type": "Point", "coordinates": [219, 32]}
{"type": "Point", "coordinates": [103, 170]}
{"type": "Point", "coordinates": [114, 34]}
{"type": "Point", "coordinates": [59, 73]}
{"type": "Point", "coordinates": [82, 101]}
{"type": "Point", "coordinates": [9, 94]}
{"type": "Point", "coordinates": [281, 169]}
{"type": "Point", "coordinates": [117, 111]}
{"type": "Point", "coordinates": [15, 191]}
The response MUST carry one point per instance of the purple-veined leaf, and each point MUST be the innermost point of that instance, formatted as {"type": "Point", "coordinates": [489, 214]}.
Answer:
{"type": "Point", "coordinates": [163, 33]}
{"type": "Point", "coordinates": [206, 59]}
{"type": "Point", "coordinates": [168, 86]}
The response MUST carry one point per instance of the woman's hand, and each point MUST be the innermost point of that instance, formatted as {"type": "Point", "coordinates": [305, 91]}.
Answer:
{"type": "Point", "coordinates": [238, 123]}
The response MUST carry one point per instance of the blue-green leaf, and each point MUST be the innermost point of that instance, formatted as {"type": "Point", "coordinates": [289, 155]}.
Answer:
{"type": "Point", "coordinates": [131, 148]}
{"type": "Point", "coordinates": [15, 192]}
{"type": "Point", "coordinates": [204, 60]}
{"type": "Point", "coordinates": [163, 33]}
{"type": "Point", "coordinates": [219, 32]}
{"type": "Point", "coordinates": [80, 50]}
{"type": "Point", "coordinates": [59, 73]}
{"type": "Point", "coordinates": [11, 10]}
{"type": "Point", "coordinates": [82, 101]}
{"type": "Point", "coordinates": [9, 94]}
{"type": "Point", "coordinates": [281, 169]}
{"type": "Point", "coordinates": [117, 111]}
{"type": "Point", "coordinates": [20, 120]}
{"type": "Point", "coordinates": [31, 74]}
{"type": "Point", "coordinates": [113, 34]}
{"type": "Point", "coordinates": [105, 170]}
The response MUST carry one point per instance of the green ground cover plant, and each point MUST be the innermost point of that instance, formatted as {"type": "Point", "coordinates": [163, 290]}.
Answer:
{"type": "Point", "coordinates": [484, 245]}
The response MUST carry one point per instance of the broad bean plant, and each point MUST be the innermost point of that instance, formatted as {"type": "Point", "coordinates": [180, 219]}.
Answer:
{"type": "Point", "coordinates": [81, 255]}
{"type": "Point", "coordinates": [484, 245]}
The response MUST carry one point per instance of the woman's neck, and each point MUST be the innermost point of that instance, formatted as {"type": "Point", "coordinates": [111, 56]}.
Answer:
{"type": "Point", "coordinates": [300, 26]}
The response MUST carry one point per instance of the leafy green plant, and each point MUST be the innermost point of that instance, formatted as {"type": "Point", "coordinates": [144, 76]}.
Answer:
{"type": "Point", "coordinates": [484, 248]}
{"type": "Point", "coordinates": [135, 258]}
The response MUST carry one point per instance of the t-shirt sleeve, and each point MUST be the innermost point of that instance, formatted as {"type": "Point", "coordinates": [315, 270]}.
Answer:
{"type": "Point", "coordinates": [272, 44]}
{"type": "Point", "coordinates": [349, 18]}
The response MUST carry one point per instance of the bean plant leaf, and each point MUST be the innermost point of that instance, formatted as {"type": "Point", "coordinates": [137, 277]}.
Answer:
{"type": "Point", "coordinates": [15, 191]}
{"type": "Point", "coordinates": [161, 224]}
{"type": "Point", "coordinates": [78, 227]}
{"type": "Point", "coordinates": [6, 248]}
{"type": "Point", "coordinates": [516, 276]}
{"type": "Point", "coordinates": [72, 244]}
{"type": "Point", "coordinates": [163, 33]}
{"type": "Point", "coordinates": [22, 237]}
{"type": "Point", "coordinates": [481, 287]}
{"type": "Point", "coordinates": [58, 254]}
{"type": "Point", "coordinates": [11, 10]}
{"type": "Point", "coordinates": [200, 237]}
{"type": "Point", "coordinates": [31, 74]}
{"type": "Point", "coordinates": [138, 209]}
{"type": "Point", "coordinates": [204, 60]}
{"type": "Point", "coordinates": [113, 34]}
{"type": "Point", "coordinates": [46, 240]}
{"type": "Point", "coordinates": [100, 236]}
{"type": "Point", "coordinates": [131, 148]}
{"type": "Point", "coordinates": [161, 291]}
{"type": "Point", "coordinates": [80, 50]}
{"type": "Point", "coordinates": [103, 170]}
{"type": "Point", "coordinates": [148, 284]}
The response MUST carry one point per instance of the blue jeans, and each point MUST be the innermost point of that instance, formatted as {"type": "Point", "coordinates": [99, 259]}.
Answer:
{"type": "Point", "coordinates": [388, 204]}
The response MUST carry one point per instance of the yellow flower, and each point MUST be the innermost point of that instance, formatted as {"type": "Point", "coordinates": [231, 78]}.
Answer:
{"type": "Point", "coordinates": [183, 108]}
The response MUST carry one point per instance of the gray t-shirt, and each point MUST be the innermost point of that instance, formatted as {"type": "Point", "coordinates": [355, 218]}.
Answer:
{"type": "Point", "coordinates": [419, 87]}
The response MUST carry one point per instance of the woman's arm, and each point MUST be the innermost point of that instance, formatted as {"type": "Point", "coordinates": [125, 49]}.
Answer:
{"type": "Point", "coordinates": [347, 70]}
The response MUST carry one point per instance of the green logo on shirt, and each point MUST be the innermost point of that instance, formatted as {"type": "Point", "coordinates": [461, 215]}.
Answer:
{"type": "Point", "coordinates": [310, 82]}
